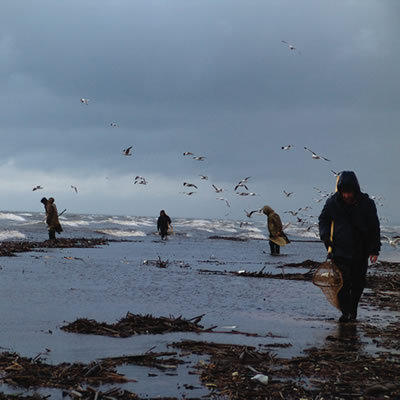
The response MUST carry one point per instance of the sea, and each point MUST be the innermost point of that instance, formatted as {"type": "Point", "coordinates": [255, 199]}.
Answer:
{"type": "Point", "coordinates": [44, 289]}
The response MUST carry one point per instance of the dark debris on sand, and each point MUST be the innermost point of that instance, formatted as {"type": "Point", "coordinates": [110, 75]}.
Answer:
{"type": "Point", "coordinates": [9, 248]}
{"type": "Point", "coordinates": [135, 324]}
{"type": "Point", "coordinates": [337, 370]}
{"type": "Point", "coordinates": [32, 372]}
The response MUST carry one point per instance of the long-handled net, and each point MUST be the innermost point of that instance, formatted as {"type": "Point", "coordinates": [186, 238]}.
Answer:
{"type": "Point", "coordinates": [329, 279]}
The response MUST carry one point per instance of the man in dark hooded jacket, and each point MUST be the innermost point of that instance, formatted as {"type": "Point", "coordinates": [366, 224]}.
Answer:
{"type": "Point", "coordinates": [163, 222]}
{"type": "Point", "coordinates": [356, 236]}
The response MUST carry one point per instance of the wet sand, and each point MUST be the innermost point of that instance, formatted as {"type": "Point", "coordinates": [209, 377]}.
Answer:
{"type": "Point", "coordinates": [47, 288]}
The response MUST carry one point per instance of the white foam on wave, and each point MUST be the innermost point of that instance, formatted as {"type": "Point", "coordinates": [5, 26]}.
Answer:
{"type": "Point", "coordinates": [129, 222]}
{"type": "Point", "coordinates": [75, 223]}
{"type": "Point", "coordinates": [4, 235]}
{"type": "Point", "coordinates": [11, 216]}
{"type": "Point", "coordinates": [118, 233]}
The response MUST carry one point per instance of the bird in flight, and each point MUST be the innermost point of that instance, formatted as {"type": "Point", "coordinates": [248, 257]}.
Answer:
{"type": "Point", "coordinates": [190, 185]}
{"type": "Point", "coordinates": [393, 242]}
{"type": "Point", "coordinates": [288, 147]}
{"type": "Point", "coordinates": [287, 194]}
{"type": "Point", "coordinates": [203, 177]}
{"type": "Point", "coordinates": [291, 46]}
{"type": "Point", "coordinates": [315, 156]}
{"type": "Point", "coordinates": [246, 193]}
{"type": "Point", "coordinates": [335, 173]}
{"type": "Point", "coordinates": [85, 101]}
{"type": "Point", "coordinates": [199, 158]}
{"type": "Point", "coordinates": [139, 180]}
{"type": "Point", "coordinates": [127, 152]}
{"type": "Point", "coordinates": [240, 185]}
{"type": "Point", "coordinates": [217, 189]}
{"type": "Point", "coordinates": [38, 187]}
{"type": "Point", "coordinates": [223, 199]}
{"type": "Point", "coordinates": [294, 213]}
{"type": "Point", "coordinates": [249, 214]}
{"type": "Point", "coordinates": [188, 153]}
{"type": "Point", "coordinates": [114, 125]}
{"type": "Point", "coordinates": [74, 188]}
{"type": "Point", "coordinates": [188, 193]}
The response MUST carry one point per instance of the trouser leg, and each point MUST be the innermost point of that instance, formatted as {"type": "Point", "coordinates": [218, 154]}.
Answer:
{"type": "Point", "coordinates": [272, 247]}
{"type": "Point", "coordinates": [277, 249]}
{"type": "Point", "coordinates": [344, 295]}
{"type": "Point", "coordinates": [52, 234]}
{"type": "Point", "coordinates": [358, 278]}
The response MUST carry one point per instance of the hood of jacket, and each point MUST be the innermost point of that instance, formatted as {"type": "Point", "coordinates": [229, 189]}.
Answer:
{"type": "Point", "coordinates": [267, 210]}
{"type": "Point", "coordinates": [348, 182]}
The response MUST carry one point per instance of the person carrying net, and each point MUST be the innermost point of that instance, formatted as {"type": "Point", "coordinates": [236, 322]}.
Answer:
{"type": "Point", "coordinates": [353, 237]}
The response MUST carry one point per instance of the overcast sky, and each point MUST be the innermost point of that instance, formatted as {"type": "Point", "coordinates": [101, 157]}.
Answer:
{"type": "Point", "coordinates": [207, 76]}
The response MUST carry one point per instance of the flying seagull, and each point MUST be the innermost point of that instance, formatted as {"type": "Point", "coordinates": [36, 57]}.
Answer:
{"type": "Point", "coordinates": [288, 147]}
{"type": "Point", "coordinates": [74, 188]}
{"type": "Point", "coordinates": [246, 193]}
{"type": "Point", "coordinates": [114, 125]}
{"type": "Point", "coordinates": [203, 177]}
{"type": "Point", "coordinates": [85, 101]}
{"type": "Point", "coordinates": [392, 242]}
{"type": "Point", "coordinates": [127, 152]}
{"type": "Point", "coordinates": [188, 193]}
{"type": "Point", "coordinates": [217, 190]}
{"type": "Point", "coordinates": [291, 46]}
{"type": "Point", "coordinates": [190, 185]}
{"type": "Point", "coordinates": [287, 194]}
{"type": "Point", "coordinates": [240, 185]}
{"type": "Point", "coordinates": [315, 156]}
{"type": "Point", "coordinates": [249, 214]}
{"type": "Point", "coordinates": [199, 158]}
{"type": "Point", "coordinates": [38, 187]}
{"type": "Point", "coordinates": [188, 153]}
{"type": "Point", "coordinates": [226, 201]}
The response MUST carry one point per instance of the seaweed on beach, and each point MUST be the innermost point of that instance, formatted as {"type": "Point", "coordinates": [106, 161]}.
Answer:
{"type": "Point", "coordinates": [337, 370]}
{"type": "Point", "coordinates": [135, 324]}
{"type": "Point", "coordinates": [9, 248]}
{"type": "Point", "coordinates": [16, 370]}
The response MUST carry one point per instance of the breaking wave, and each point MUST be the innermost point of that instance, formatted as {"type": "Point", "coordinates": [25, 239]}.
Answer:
{"type": "Point", "coordinates": [118, 233]}
{"type": "Point", "coordinates": [4, 235]}
{"type": "Point", "coordinates": [11, 216]}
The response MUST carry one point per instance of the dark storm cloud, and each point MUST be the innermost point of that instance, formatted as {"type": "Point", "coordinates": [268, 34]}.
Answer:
{"type": "Point", "coordinates": [210, 77]}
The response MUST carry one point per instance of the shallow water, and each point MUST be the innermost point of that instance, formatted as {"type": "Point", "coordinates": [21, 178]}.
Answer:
{"type": "Point", "coordinates": [44, 289]}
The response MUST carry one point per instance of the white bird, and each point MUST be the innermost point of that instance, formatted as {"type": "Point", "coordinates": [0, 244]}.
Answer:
{"type": "Point", "coordinates": [263, 379]}
{"type": "Point", "coordinates": [335, 173]}
{"type": "Point", "coordinates": [393, 242]}
{"type": "Point", "coordinates": [288, 147]}
{"type": "Point", "coordinates": [139, 180]}
{"type": "Point", "coordinates": [188, 193]}
{"type": "Point", "coordinates": [294, 213]}
{"type": "Point", "coordinates": [226, 201]}
{"type": "Point", "coordinates": [199, 158]}
{"type": "Point", "coordinates": [287, 194]}
{"type": "Point", "coordinates": [291, 46]}
{"type": "Point", "coordinates": [114, 125]}
{"type": "Point", "coordinates": [190, 185]}
{"type": "Point", "coordinates": [315, 156]}
{"type": "Point", "coordinates": [240, 185]}
{"type": "Point", "coordinates": [38, 187]}
{"type": "Point", "coordinates": [74, 188]}
{"type": "Point", "coordinates": [188, 153]}
{"type": "Point", "coordinates": [85, 101]}
{"type": "Point", "coordinates": [244, 180]}
{"type": "Point", "coordinates": [249, 214]}
{"type": "Point", "coordinates": [138, 177]}
{"type": "Point", "coordinates": [203, 177]}
{"type": "Point", "coordinates": [217, 189]}
{"type": "Point", "coordinates": [127, 152]}
{"type": "Point", "coordinates": [246, 193]}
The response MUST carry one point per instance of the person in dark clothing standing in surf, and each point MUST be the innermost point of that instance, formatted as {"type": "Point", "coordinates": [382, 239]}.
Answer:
{"type": "Point", "coordinates": [163, 223]}
{"type": "Point", "coordinates": [356, 237]}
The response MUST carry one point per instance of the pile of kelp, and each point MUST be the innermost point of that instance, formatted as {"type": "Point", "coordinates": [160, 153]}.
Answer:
{"type": "Point", "coordinates": [337, 370]}
{"type": "Point", "coordinates": [135, 324]}
{"type": "Point", "coordinates": [9, 248]}
{"type": "Point", "coordinates": [16, 370]}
